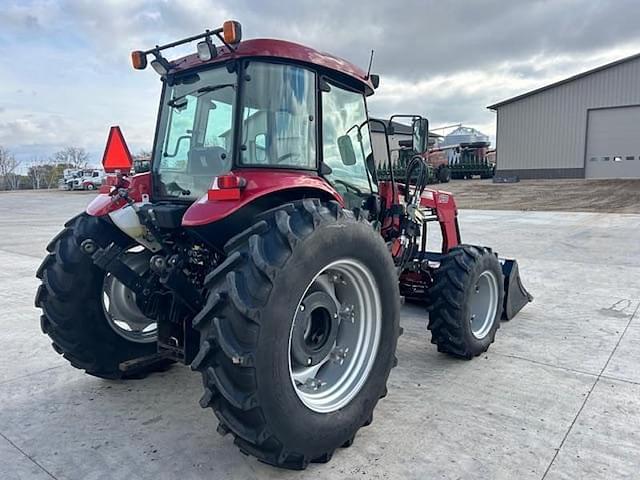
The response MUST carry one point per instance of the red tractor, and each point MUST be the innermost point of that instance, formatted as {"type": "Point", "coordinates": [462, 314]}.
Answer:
{"type": "Point", "coordinates": [262, 250]}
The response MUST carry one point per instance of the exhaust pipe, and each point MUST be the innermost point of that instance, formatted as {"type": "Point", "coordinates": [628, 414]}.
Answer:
{"type": "Point", "coordinates": [515, 295]}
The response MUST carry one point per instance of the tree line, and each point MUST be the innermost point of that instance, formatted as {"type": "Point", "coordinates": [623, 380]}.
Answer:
{"type": "Point", "coordinates": [43, 173]}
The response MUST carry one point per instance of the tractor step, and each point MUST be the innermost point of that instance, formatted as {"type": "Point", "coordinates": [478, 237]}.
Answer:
{"type": "Point", "coordinates": [515, 295]}
{"type": "Point", "coordinates": [140, 363]}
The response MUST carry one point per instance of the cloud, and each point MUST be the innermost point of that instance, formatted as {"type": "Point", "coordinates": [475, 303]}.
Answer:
{"type": "Point", "coordinates": [36, 129]}
{"type": "Point", "coordinates": [445, 60]}
{"type": "Point", "coordinates": [21, 130]}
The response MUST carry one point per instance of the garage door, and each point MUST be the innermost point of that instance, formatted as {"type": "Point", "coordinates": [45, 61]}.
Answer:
{"type": "Point", "coordinates": [613, 143]}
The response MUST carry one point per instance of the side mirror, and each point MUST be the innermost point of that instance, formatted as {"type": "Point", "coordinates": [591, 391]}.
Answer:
{"type": "Point", "coordinates": [421, 135]}
{"type": "Point", "coordinates": [375, 80]}
{"type": "Point", "coordinates": [347, 153]}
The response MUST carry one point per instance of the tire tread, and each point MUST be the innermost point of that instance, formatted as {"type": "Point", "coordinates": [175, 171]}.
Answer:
{"type": "Point", "coordinates": [226, 361]}
{"type": "Point", "coordinates": [448, 300]}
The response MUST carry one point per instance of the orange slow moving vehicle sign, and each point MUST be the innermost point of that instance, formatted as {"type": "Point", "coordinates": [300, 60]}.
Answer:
{"type": "Point", "coordinates": [116, 153]}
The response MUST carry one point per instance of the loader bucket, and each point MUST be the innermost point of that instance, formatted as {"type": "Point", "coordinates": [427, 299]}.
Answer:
{"type": "Point", "coordinates": [515, 295]}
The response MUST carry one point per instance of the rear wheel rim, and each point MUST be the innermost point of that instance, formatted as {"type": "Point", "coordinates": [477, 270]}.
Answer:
{"type": "Point", "coordinates": [335, 334]}
{"type": "Point", "coordinates": [120, 308]}
{"type": "Point", "coordinates": [483, 304]}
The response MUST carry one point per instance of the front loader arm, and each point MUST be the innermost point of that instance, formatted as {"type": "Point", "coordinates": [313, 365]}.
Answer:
{"type": "Point", "coordinates": [444, 207]}
{"type": "Point", "coordinates": [441, 205]}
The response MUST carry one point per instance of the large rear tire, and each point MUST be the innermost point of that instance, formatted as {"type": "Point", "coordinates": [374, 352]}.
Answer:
{"type": "Point", "coordinates": [73, 312]}
{"type": "Point", "coordinates": [466, 301]}
{"type": "Point", "coordinates": [294, 287]}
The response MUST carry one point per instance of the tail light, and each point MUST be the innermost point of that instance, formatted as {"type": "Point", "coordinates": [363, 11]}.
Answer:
{"type": "Point", "coordinates": [226, 187]}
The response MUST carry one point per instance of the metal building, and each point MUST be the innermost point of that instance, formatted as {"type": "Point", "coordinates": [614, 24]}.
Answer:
{"type": "Point", "coordinates": [586, 126]}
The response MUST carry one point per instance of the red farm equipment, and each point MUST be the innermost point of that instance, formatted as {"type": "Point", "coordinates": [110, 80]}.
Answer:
{"type": "Point", "coordinates": [262, 250]}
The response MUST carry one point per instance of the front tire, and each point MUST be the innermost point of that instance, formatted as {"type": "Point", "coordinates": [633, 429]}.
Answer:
{"type": "Point", "coordinates": [466, 301]}
{"type": "Point", "coordinates": [73, 314]}
{"type": "Point", "coordinates": [254, 333]}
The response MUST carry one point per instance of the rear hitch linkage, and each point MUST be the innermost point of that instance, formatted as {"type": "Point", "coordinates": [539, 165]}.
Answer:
{"type": "Point", "coordinates": [166, 271]}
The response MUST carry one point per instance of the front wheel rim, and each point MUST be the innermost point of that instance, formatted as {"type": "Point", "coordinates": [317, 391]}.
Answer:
{"type": "Point", "coordinates": [484, 304]}
{"type": "Point", "coordinates": [335, 335]}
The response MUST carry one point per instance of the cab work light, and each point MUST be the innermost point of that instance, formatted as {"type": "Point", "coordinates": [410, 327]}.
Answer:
{"type": "Point", "coordinates": [160, 64]}
{"type": "Point", "coordinates": [206, 50]}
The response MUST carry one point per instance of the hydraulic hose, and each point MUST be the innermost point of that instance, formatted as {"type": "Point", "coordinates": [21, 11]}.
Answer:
{"type": "Point", "coordinates": [416, 162]}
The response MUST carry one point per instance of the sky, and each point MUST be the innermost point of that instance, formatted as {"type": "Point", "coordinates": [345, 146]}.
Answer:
{"type": "Point", "coordinates": [66, 76]}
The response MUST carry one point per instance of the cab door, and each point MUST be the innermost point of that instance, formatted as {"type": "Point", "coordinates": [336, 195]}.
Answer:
{"type": "Point", "coordinates": [346, 143]}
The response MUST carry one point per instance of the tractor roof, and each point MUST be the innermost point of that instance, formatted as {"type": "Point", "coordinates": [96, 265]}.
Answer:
{"type": "Point", "coordinates": [272, 48]}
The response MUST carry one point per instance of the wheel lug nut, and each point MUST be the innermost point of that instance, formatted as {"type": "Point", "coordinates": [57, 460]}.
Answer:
{"type": "Point", "coordinates": [309, 361]}
{"type": "Point", "coordinates": [348, 313]}
{"type": "Point", "coordinates": [339, 355]}
{"type": "Point", "coordinates": [313, 384]}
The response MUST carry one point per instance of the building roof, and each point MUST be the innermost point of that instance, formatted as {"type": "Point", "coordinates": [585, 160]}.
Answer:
{"type": "Point", "coordinates": [398, 128]}
{"type": "Point", "coordinates": [562, 82]}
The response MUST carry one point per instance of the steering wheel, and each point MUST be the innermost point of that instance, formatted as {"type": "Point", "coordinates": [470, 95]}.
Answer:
{"type": "Point", "coordinates": [286, 156]}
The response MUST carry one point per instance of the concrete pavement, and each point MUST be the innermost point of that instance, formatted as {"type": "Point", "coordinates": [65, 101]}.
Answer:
{"type": "Point", "coordinates": [557, 396]}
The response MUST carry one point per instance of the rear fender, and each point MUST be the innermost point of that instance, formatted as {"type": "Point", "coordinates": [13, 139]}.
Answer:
{"type": "Point", "coordinates": [260, 184]}
{"type": "Point", "coordinates": [216, 234]}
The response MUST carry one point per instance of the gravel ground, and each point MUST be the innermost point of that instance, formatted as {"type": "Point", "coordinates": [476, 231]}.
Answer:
{"type": "Point", "coordinates": [611, 196]}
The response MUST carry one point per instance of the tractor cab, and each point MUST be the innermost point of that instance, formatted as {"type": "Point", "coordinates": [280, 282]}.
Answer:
{"type": "Point", "coordinates": [245, 107]}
